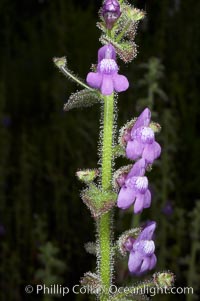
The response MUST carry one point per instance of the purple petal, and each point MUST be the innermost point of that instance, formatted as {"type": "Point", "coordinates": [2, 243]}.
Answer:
{"type": "Point", "coordinates": [148, 231]}
{"type": "Point", "coordinates": [145, 265]}
{"type": "Point", "coordinates": [143, 134]}
{"type": "Point", "coordinates": [151, 152]}
{"type": "Point", "coordinates": [134, 149]}
{"type": "Point", "coordinates": [153, 261]}
{"type": "Point", "coordinates": [147, 199]}
{"type": "Point", "coordinates": [134, 262]}
{"type": "Point", "coordinates": [120, 83]}
{"type": "Point", "coordinates": [94, 80]}
{"type": "Point", "coordinates": [125, 198]}
{"type": "Point", "coordinates": [138, 169]}
{"type": "Point", "coordinates": [107, 85]}
{"type": "Point", "coordinates": [139, 204]}
{"type": "Point", "coordinates": [144, 247]}
{"type": "Point", "coordinates": [107, 51]}
{"type": "Point", "coordinates": [143, 120]}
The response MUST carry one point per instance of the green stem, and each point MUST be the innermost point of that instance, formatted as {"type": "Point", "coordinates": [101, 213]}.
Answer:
{"type": "Point", "coordinates": [74, 78]}
{"type": "Point", "coordinates": [104, 225]}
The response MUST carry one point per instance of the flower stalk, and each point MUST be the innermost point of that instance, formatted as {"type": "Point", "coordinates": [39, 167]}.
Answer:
{"type": "Point", "coordinates": [127, 186]}
{"type": "Point", "coordinates": [104, 223]}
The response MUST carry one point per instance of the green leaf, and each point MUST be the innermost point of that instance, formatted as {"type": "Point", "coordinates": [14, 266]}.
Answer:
{"type": "Point", "coordinates": [127, 50]}
{"type": "Point", "coordinates": [87, 175]}
{"type": "Point", "coordinates": [98, 200]}
{"type": "Point", "coordinates": [83, 98]}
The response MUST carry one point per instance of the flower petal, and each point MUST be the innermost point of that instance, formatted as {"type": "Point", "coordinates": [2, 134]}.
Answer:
{"type": "Point", "coordinates": [153, 261]}
{"type": "Point", "coordinates": [151, 152]}
{"type": "Point", "coordinates": [105, 51]}
{"type": "Point", "coordinates": [125, 198]}
{"type": "Point", "coordinates": [120, 82]}
{"type": "Point", "coordinates": [107, 85]}
{"type": "Point", "coordinates": [143, 120]}
{"type": "Point", "coordinates": [139, 204]}
{"type": "Point", "coordinates": [134, 150]}
{"type": "Point", "coordinates": [148, 231]}
{"type": "Point", "coordinates": [134, 262]}
{"type": "Point", "coordinates": [94, 80]}
{"type": "Point", "coordinates": [144, 247]}
{"type": "Point", "coordinates": [145, 264]}
{"type": "Point", "coordinates": [147, 199]}
{"type": "Point", "coordinates": [138, 169]}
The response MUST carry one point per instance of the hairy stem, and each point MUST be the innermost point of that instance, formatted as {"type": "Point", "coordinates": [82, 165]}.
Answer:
{"type": "Point", "coordinates": [104, 224]}
{"type": "Point", "coordinates": [74, 78]}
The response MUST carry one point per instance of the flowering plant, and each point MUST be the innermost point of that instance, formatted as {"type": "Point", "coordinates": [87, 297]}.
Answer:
{"type": "Point", "coordinates": [128, 185]}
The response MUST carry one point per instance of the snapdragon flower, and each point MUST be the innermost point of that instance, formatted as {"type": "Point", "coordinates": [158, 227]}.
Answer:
{"type": "Point", "coordinates": [142, 257]}
{"type": "Point", "coordinates": [107, 78]}
{"type": "Point", "coordinates": [141, 143]}
{"type": "Point", "coordinates": [134, 190]}
{"type": "Point", "coordinates": [111, 12]}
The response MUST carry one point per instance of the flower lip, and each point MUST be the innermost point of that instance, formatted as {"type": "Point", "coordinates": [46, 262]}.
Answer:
{"type": "Point", "coordinates": [145, 247]}
{"type": "Point", "coordinates": [149, 247]}
{"type": "Point", "coordinates": [138, 183]}
{"type": "Point", "coordinates": [108, 66]}
{"type": "Point", "coordinates": [144, 134]}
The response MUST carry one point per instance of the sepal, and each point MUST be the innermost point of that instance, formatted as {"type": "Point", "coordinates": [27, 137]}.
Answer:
{"type": "Point", "coordinates": [125, 132]}
{"type": "Point", "coordinates": [155, 127]}
{"type": "Point", "coordinates": [122, 240]}
{"type": "Point", "coordinates": [120, 175]}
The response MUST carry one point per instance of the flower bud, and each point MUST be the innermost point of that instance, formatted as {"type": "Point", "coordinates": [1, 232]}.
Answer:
{"type": "Point", "coordinates": [60, 62]}
{"type": "Point", "coordinates": [111, 12]}
{"type": "Point", "coordinates": [164, 279]}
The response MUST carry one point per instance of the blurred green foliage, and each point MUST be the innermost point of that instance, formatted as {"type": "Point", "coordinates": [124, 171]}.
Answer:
{"type": "Point", "coordinates": [41, 147]}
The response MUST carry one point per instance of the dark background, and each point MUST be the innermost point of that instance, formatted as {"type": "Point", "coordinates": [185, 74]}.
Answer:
{"type": "Point", "coordinates": [43, 223]}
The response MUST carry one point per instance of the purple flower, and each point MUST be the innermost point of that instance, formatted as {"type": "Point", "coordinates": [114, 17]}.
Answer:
{"type": "Point", "coordinates": [107, 78]}
{"type": "Point", "coordinates": [142, 142]}
{"type": "Point", "coordinates": [135, 189]}
{"type": "Point", "coordinates": [111, 12]}
{"type": "Point", "coordinates": [142, 257]}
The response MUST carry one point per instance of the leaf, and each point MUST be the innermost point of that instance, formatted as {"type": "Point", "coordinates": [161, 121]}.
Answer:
{"type": "Point", "coordinates": [91, 280]}
{"type": "Point", "coordinates": [87, 175]}
{"type": "Point", "coordinates": [127, 50]}
{"type": "Point", "coordinates": [83, 98]}
{"type": "Point", "coordinates": [98, 201]}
